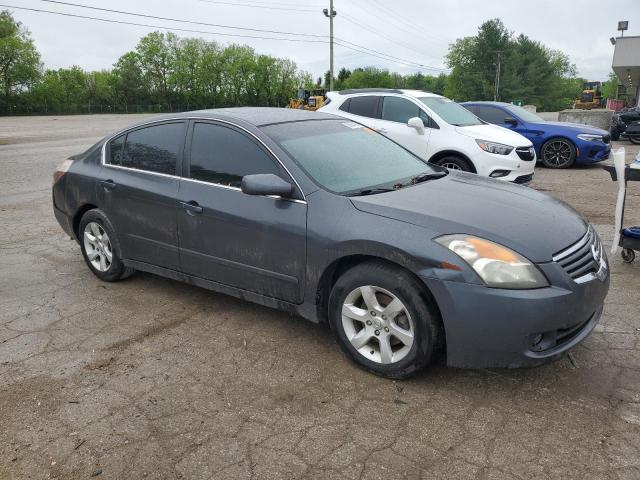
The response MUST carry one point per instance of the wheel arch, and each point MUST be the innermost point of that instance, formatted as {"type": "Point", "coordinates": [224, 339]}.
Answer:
{"type": "Point", "coordinates": [340, 265]}
{"type": "Point", "coordinates": [453, 153]}
{"type": "Point", "coordinates": [78, 216]}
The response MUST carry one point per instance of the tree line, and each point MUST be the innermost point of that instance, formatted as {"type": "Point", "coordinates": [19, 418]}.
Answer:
{"type": "Point", "coordinates": [167, 73]}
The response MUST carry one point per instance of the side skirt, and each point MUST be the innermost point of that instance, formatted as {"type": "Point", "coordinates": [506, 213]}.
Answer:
{"type": "Point", "coordinates": [292, 308]}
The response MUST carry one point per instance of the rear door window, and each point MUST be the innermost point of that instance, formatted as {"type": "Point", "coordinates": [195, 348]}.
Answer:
{"type": "Point", "coordinates": [223, 155]}
{"type": "Point", "coordinates": [154, 149]}
{"type": "Point", "coordinates": [491, 114]}
{"type": "Point", "coordinates": [366, 106]}
{"type": "Point", "coordinates": [116, 149]}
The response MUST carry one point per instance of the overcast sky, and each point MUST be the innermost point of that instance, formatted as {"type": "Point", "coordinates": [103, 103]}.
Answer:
{"type": "Point", "coordinates": [417, 31]}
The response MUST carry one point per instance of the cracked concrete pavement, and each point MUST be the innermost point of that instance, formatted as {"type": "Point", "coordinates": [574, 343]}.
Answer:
{"type": "Point", "coordinates": [151, 378]}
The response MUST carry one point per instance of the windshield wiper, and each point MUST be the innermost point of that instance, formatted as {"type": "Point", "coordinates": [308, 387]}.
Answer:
{"type": "Point", "coordinates": [370, 191]}
{"type": "Point", "coordinates": [423, 177]}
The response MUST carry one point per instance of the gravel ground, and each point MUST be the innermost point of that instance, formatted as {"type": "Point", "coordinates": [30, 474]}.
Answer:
{"type": "Point", "coordinates": [151, 378]}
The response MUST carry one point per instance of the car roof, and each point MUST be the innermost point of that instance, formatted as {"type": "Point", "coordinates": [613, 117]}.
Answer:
{"type": "Point", "coordinates": [487, 102]}
{"type": "Point", "coordinates": [382, 91]}
{"type": "Point", "coordinates": [256, 116]}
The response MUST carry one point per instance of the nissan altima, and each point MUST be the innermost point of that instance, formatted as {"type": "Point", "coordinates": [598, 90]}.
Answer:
{"type": "Point", "coordinates": [323, 217]}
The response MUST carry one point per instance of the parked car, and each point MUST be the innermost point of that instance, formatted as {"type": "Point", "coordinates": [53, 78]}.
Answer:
{"type": "Point", "coordinates": [324, 217]}
{"type": "Point", "coordinates": [438, 130]}
{"type": "Point", "coordinates": [557, 144]}
{"type": "Point", "coordinates": [627, 118]}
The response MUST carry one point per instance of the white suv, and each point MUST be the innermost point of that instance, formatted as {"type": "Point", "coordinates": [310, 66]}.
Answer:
{"type": "Point", "coordinates": [438, 130]}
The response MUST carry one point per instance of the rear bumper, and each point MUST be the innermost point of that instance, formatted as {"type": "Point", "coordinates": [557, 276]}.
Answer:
{"type": "Point", "coordinates": [488, 327]}
{"type": "Point", "coordinates": [64, 220]}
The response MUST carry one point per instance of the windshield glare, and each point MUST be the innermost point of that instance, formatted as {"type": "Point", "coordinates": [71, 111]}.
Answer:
{"type": "Point", "coordinates": [451, 112]}
{"type": "Point", "coordinates": [524, 114]}
{"type": "Point", "coordinates": [345, 157]}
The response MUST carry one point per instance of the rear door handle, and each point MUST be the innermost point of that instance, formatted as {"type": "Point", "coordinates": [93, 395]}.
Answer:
{"type": "Point", "coordinates": [191, 207]}
{"type": "Point", "coordinates": [108, 184]}
{"type": "Point", "coordinates": [382, 130]}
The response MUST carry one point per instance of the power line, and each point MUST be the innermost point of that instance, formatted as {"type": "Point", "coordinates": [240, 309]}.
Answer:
{"type": "Point", "coordinates": [123, 22]}
{"type": "Point", "coordinates": [403, 23]}
{"type": "Point", "coordinates": [269, 7]}
{"type": "Point", "coordinates": [192, 22]}
{"type": "Point", "coordinates": [404, 60]}
{"type": "Point", "coordinates": [350, 19]}
{"type": "Point", "coordinates": [387, 58]}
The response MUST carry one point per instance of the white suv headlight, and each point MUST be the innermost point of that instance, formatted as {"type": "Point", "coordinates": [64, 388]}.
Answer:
{"type": "Point", "coordinates": [588, 137]}
{"type": "Point", "coordinates": [492, 147]}
{"type": "Point", "coordinates": [497, 266]}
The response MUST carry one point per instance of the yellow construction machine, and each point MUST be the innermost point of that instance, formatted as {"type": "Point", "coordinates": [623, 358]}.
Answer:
{"type": "Point", "coordinates": [308, 99]}
{"type": "Point", "coordinates": [591, 97]}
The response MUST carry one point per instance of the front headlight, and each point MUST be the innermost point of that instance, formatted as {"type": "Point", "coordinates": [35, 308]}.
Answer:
{"type": "Point", "coordinates": [588, 137]}
{"type": "Point", "coordinates": [497, 266]}
{"type": "Point", "coordinates": [492, 147]}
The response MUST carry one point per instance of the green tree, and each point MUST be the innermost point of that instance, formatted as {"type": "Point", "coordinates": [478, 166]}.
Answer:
{"type": "Point", "coordinates": [19, 60]}
{"type": "Point", "coordinates": [610, 87]}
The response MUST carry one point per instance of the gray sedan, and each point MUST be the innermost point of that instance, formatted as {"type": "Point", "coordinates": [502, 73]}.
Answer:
{"type": "Point", "coordinates": [325, 218]}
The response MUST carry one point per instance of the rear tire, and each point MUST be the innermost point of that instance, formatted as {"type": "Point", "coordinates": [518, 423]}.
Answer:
{"type": "Point", "coordinates": [558, 153]}
{"type": "Point", "coordinates": [635, 139]}
{"type": "Point", "coordinates": [100, 247]}
{"type": "Point", "coordinates": [455, 163]}
{"type": "Point", "coordinates": [383, 320]}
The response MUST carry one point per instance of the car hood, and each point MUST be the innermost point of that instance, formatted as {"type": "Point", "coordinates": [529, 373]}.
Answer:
{"type": "Point", "coordinates": [574, 128]}
{"type": "Point", "coordinates": [529, 222]}
{"type": "Point", "coordinates": [495, 133]}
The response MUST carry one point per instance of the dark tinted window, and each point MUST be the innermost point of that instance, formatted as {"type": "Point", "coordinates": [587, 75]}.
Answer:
{"type": "Point", "coordinates": [115, 150]}
{"type": "Point", "coordinates": [364, 106]}
{"type": "Point", "coordinates": [154, 148]}
{"type": "Point", "coordinates": [491, 114]}
{"type": "Point", "coordinates": [396, 109]}
{"type": "Point", "coordinates": [345, 105]}
{"type": "Point", "coordinates": [223, 155]}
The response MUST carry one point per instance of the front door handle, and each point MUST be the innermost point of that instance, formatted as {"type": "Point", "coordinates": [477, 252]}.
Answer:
{"type": "Point", "coordinates": [382, 130]}
{"type": "Point", "coordinates": [191, 207]}
{"type": "Point", "coordinates": [108, 184]}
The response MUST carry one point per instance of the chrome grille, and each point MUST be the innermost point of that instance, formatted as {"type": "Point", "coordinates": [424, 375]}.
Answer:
{"type": "Point", "coordinates": [582, 259]}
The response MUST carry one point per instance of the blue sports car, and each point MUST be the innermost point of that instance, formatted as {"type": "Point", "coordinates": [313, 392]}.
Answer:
{"type": "Point", "coordinates": [557, 144]}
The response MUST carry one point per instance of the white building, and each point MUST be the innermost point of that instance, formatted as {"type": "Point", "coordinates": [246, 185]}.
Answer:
{"type": "Point", "coordinates": [626, 65]}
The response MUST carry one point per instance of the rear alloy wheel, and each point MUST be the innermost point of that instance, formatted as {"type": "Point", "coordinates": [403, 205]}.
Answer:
{"type": "Point", "coordinates": [558, 153]}
{"type": "Point", "coordinates": [455, 163]}
{"type": "Point", "coordinates": [383, 319]}
{"type": "Point", "coordinates": [100, 247]}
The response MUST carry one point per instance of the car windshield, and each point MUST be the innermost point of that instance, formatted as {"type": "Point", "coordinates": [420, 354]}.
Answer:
{"type": "Point", "coordinates": [451, 112]}
{"type": "Point", "coordinates": [345, 157]}
{"type": "Point", "coordinates": [524, 114]}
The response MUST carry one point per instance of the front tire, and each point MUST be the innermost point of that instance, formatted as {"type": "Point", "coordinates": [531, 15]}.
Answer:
{"type": "Point", "coordinates": [100, 247]}
{"type": "Point", "coordinates": [455, 163]}
{"type": "Point", "coordinates": [628, 255]}
{"type": "Point", "coordinates": [383, 320]}
{"type": "Point", "coordinates": [558, 153]}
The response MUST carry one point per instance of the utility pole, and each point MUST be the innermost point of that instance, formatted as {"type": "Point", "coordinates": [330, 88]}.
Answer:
{"type": "Point", "coordinates": [330, 13]}
{"type": "Point", "coordinates": [497, 81]}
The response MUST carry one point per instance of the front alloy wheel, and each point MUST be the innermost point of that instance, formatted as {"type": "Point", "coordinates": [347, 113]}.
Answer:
{"type": "Point", "coordinates": [383, 319]}
{"type": "Point", "coordinates": [558, 153]}
{"type": "Point", "coordinates": [377, 324]}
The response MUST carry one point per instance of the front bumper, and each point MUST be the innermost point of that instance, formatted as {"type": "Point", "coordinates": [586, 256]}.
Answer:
{"type": "Point", "coordinates": [592, 152]}
{"type": "Point", "coordinates": [488, 327]}
{"type": "Point", "coordinates": [488, 163]}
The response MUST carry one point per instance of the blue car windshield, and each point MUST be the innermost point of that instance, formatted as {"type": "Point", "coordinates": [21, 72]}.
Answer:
{"type": "Point", "coordinates": [524, 114]}
{"type": "Point", "coordinates": [345, 157]}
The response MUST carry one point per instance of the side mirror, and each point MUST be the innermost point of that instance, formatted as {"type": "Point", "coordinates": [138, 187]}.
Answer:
{"type": "Point", "coordinates": [417, 123]}
{"type": "Point", "coordinates": [266, 184]}
{"type": "Point", "coordinates": [511, 121]}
